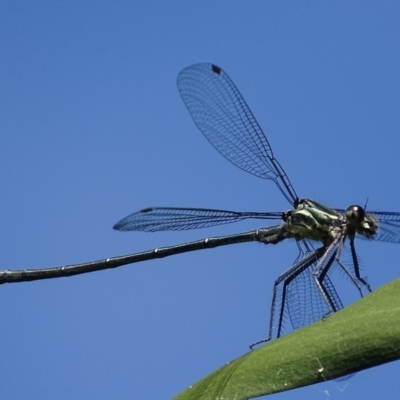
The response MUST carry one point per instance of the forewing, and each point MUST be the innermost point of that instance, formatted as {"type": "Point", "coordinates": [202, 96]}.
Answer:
{"type": "Point", "coordinates": [177, 219]}
{"type": "Point", "coordinates": [388, 226]}
{"type": "Point", "coordinates": [222, 115]}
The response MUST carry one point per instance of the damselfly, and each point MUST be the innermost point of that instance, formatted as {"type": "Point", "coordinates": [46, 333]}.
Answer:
{"type": "Point", "coordinates": [305, 292]}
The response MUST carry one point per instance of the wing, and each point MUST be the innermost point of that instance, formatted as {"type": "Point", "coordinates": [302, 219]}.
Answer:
{"type": "Point", "coordinates": [388, 226]}
{"type": "Point", "coordinates": [222, 115]}
{"type": "Point", "coordinates": [177, 219]}
{"type": "Point", "coordinates": [299, 299]}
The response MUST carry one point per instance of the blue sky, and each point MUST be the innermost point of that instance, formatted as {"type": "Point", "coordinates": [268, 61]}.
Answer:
{"type": "Point", "coordinates": [93, 128]}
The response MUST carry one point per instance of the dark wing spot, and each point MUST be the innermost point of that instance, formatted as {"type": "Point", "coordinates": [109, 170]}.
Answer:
{"type": "Point", "coordinates": [216, 69]}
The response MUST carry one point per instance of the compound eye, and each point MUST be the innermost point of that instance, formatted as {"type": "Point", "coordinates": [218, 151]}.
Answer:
{"type": "Point", "coordinates": [355, 214]}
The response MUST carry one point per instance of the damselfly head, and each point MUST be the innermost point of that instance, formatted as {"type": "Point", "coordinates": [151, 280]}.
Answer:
{"type": "Point", "coordinates": [355, 214]}
{"type": "Point", "coordinates": [362, 223]}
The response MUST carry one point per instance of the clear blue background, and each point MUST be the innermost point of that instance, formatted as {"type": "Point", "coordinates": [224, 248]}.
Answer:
{"type": "Point", "coordinates": [93, 128]}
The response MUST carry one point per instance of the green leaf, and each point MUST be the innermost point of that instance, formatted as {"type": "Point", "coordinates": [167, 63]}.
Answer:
{"type": "Point", "coordinates": [363, 335]}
